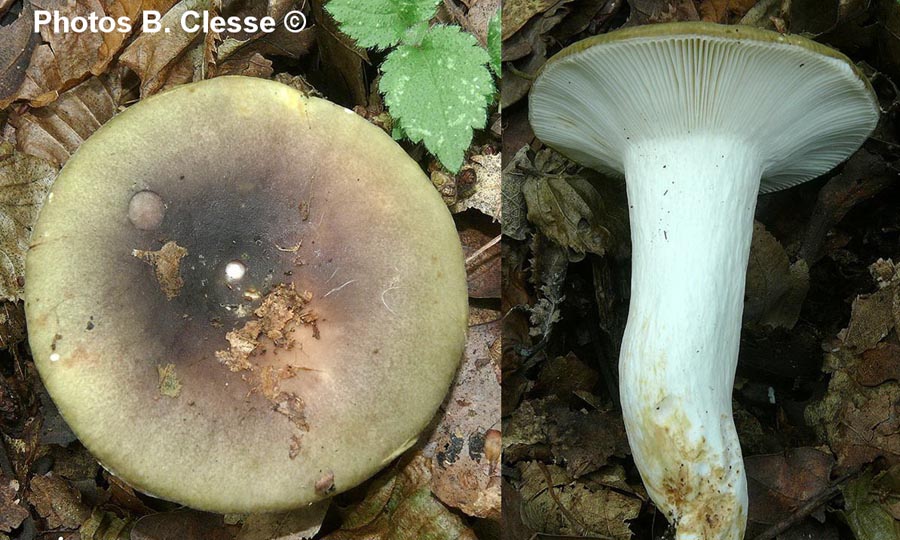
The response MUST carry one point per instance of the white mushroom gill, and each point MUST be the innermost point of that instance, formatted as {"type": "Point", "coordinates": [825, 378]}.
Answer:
{"type": "Point", "coordinates": [699, 118]}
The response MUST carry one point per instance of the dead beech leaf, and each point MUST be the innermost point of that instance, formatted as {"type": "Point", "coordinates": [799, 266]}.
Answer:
{"type": "Point", "coordinates": [54, 132]}
{"type": "Point", "coordinates": [582, 441]}
{"type": "Point", "coordinates": [281, 42]}
{"type": "Point", "coordinates": [553, 503]}
{"type": "Point", "coordinates": [64, 58]}
{"type": "Point", "coordinates": [17, 43]}
{"type": "Point", "coordinates": [515, 209]}
{"type": "Point", "coordinates": [860, 423]}
{"type": "Point", "coordinates": [484, 193]}
{"type": "Point", "coordinates": [660, 11]}
{"type": "Point", "coordinates": [254, 65]}
{"type": "Point", "coordinates": [58, 502]}
{"type": "Point", "coordinates": [482, 252]}
{"type": "Point", "coordinates": [775, 288]}
{"type": "Point", "coordinates": [513, 527]}
{"type": "Point", "coordinates": [181, 525]}
{"type": "Point", "coordinates": [780, 483]}
{"type": "Point", "coordinates": [152, 55]}
{"type": "Point", "coordinates": [12, 332]}
{"type": "Point", "coordinates": [724, 11]}
{"type": "Point", "coordinates": [103, 525]}
{"type": "Point", "coordinates": [24, 181]}
{"type": "Point", "coordinates": [563, 376]}
{"type": "Point", "coordinates": [569, 210]}
{"type": "Point", "coordinates": [123, 496]}
{"type": "Point", "coordinates": [879, 365]}
{"type": "Point", "coordinates": [399, 506]}
{"type": "Point", "coordinates": [78, 54]}
{"type": "Point", "coordinates": [516, 13]}
{"type": "Point", "coordinates": [464, 474]}
{"type": "Point", "coordinates": [300, 524]}
{"type": "Point", "coordinates": [341, 59]}
{"type": "Point", "coordinates": [42, 81]}
{"type": "Point", "coordinates": [11, 513]}
{"type": "Point", "coordinates": [871, 319]}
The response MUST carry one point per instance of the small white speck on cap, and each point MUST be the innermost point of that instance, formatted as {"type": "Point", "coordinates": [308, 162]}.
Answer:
{"type": "Point", "coordinates": [235, 270]}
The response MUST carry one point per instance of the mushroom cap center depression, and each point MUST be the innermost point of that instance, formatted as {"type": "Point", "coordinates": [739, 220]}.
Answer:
{"type": "Point", "coordinates": [235, 291]}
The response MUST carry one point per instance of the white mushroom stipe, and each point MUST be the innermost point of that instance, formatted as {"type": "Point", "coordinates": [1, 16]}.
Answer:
{"type": "Point", "coordinates": [146, 210]}
{"type": "Point", "coordinates": [235, 270]}
{"type": "Point", "coordinates": [699, 118]}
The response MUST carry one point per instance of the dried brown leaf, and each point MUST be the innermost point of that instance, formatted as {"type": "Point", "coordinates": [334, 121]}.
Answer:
{"type": "Point", "coordinates": [400, 506]}
{"type": "Point", "coordinates": [518, 12]}
{"type": "Point", "coordinates": [11, 513]}
{"type": "Point", "coordinates": [54, 132]}
{"type": "Point", "coordinates": [482, 252]}
{"type": "Point", "coordinates": [871, 319]}
{"type": "Point", "coordinates": [780, 483]}
{"type": "Point", "coordinates": [515, 209]}
{"type": "Point", "coordinates": [775, 288]}
{"type": "Point", "coordinates": [300, 524]}
{"type": "Point", "coordinates": [152, 55]}
{"type": "Point", "coordinates": [17, 44]}
{"type": "Point", "coordinates": [103, 525]}
{"type": "Point", "coordinates": [660, 11]}
{"type": "Point", "coordinates": [879, 365]}
{"type": "Point", "coordinates": [724, 11]}
{"type": "Point", "coordinates": [24, 181]}
{"type": "Point", "coordinates": [581, 440]}
{"type": "Point", "coordinates": [463, 474]}
{"type": "Point", "coordinates": [479, 16]}
{"type": "Point", "coordinates": [859, 422]}
{"type": "Point", "coordinates": [484, 192]}
{"type": "Point", "coordinates": [58, 502]}
{"type": "Point", "coordinates": [558, 505]}
{"type": "Point", "coordinates": [573, 212]}
{"type": "Point", "coordinates": [60, 60]}
{"type": "Point", "coordinates": [563, 376]}
{"type": "Point", "coordinates": [182, 525]}
{"type": "Point", "coordinates": [254, 65]}
{"type": "Point", "coordinates": [341, 60]}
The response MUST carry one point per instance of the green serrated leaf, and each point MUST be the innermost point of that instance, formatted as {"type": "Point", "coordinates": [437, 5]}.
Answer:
{"type": "Point", "coordinates": [439, 91]}
{"type": "Point", "coordinates": [379, 23]}
{"type": "Point", "coordinates": [494, 40]}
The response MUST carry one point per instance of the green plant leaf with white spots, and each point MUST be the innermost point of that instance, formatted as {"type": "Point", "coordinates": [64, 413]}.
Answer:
{"type": "Point", "coordinates": [379, 23]}
{"type": "Point", "coordinates": [494, 40]}
{"type": "Point", "coordinates": [439, 90]}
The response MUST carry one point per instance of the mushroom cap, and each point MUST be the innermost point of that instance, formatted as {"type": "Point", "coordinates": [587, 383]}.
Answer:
{"type": "Point", "coordinates": [244, 299]}
{"type": "Point", "coordinates": [803, 105]}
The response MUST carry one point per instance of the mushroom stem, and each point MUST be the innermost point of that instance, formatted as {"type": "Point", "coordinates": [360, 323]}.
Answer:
{"type": "Point", "coordinates": [692, 201]}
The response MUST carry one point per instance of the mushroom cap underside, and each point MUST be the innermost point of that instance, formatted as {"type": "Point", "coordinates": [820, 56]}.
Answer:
{"type": "Point", "coordinates": [803, 106]}
{"type": "Point", "coordinates": [235, 291]}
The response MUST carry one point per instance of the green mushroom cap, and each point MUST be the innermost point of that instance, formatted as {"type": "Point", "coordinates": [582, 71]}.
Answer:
{"type": "Point", "coordinates": [244, 299]}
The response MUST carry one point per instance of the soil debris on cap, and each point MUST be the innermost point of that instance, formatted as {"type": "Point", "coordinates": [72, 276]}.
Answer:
{"type": "Point", "coordinates": [167, 264]}
{"type": "Point", "coordinates": [281, 309]}
{"type": "Point", "coordinates": [169, 383]}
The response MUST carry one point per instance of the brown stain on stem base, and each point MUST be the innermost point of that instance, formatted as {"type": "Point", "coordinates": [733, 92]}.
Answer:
{"type": "Point", "coordinates": [692, 483]}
